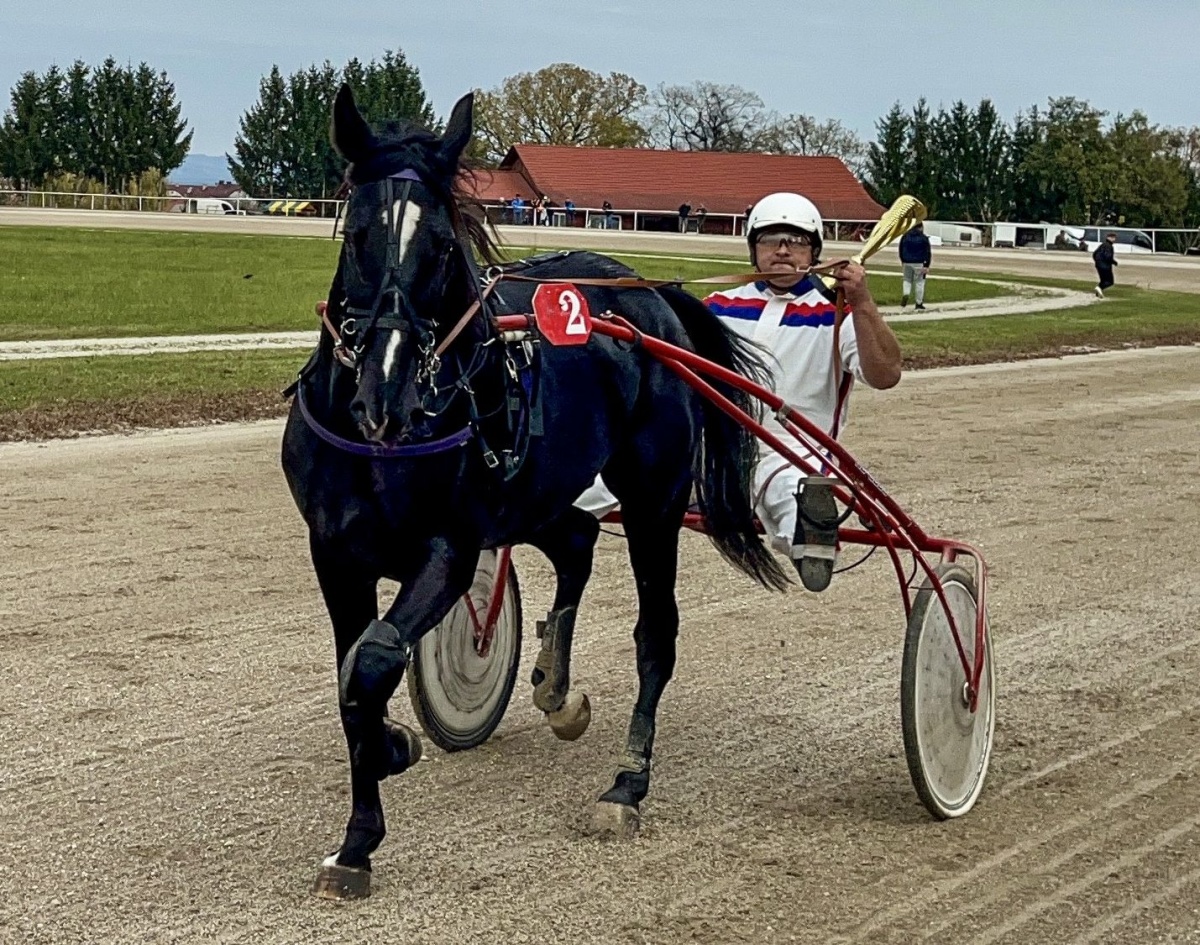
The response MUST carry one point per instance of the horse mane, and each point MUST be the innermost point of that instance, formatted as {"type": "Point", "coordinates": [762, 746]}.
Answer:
{"type": "Point", "coordinates": [400, 145]}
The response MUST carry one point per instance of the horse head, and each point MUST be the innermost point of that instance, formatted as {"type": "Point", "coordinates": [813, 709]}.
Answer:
{"type": "Point", "coordinates": [405, 263]}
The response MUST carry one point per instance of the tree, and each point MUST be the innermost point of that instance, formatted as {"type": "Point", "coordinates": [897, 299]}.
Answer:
{"type": "Point", "coordinates": [887, 157]}
{"type": "Point", "coordinates": [803, 134]}
{"type": "Point", "coordinates": [390, 89]}
{"type": "Point", "coordinates": [27, 134]}
{"type": "Point", "coordinates": [111, 124]}
{"type": "Point", "coordinates": [706, 116]}
{"type": "Point", "coordinates": [1031, 197]}
{"type": "Point", "coordinates": [924, 167]}
{"type": "Point", "coordinates": [970, 151]}
{"type": "Point", "coordinates": [1150, 183]}
{"type": "Point", "coordinates": [163, 128]}
{"type": "Point", "coordinates": [1071, 163]}
{"type": "Point", "coordinates": [75, 134]}
{"type": "Point", "coordinates": [990, 194]}
{"type": "Point", "coordinates": [282, 147]}
{"type": "Point", "coordinates": [1184, 143]}
{"type": "Point", "coordinates": [259, 141]}
{"type": "Point", "coordinates": [560, 104]}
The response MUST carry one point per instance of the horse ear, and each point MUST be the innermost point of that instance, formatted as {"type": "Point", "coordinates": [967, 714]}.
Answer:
{"type": "Point", "coordinates": [458, 129]}
{"type": "Point", "coordinates": [348, 131]}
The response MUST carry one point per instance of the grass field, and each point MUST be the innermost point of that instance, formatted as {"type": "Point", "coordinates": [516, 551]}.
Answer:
{"type": "Point", "coordinates": [70, 283]}
{"type": "Point", "coordinates": [65, 283]}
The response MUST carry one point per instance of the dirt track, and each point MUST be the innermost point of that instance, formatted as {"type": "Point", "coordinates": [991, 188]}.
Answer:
{"type": "Point", "coordinates": [174, 770]}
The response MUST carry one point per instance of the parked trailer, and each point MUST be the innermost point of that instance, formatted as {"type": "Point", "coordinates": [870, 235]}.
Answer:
{"type": "Point", "coordinates": [953, 234]}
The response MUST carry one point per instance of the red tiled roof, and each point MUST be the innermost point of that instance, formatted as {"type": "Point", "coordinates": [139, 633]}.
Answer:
{"type": "Point", "coordinates": [643, 179]}
{"type": "Point", "coordinates": [495, 186]}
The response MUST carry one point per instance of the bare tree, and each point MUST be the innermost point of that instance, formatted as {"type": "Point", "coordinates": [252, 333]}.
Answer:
{"type": "Point", "coordinates": [705, 116]}
{"type": "Point", "coordinates": [803, 134]}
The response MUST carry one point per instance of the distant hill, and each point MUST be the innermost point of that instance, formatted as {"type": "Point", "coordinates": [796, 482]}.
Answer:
{"type": "Point", "coordinates": [201, 169]}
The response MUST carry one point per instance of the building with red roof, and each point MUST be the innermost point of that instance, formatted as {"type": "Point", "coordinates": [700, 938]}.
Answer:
{"type": "Point", "coordinates": [646, 187]}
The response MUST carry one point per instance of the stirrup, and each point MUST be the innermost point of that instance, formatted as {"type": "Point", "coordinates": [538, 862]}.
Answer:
{"type": "Point", "coordinates": [814, 548]}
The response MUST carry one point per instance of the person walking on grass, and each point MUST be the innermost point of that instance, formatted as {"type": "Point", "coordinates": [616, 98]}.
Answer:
{"type": "Point", "coordinates": [915, 256]}
{"type": "Point", "coordinates": [1104, 259]}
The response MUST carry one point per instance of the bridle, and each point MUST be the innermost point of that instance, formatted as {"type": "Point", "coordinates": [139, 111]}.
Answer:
{"type": "Point", "coordinates": [350, 337]}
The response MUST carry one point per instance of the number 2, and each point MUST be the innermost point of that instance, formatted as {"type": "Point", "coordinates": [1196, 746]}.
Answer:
{"type": "Point", "coordinates": [569, 302]}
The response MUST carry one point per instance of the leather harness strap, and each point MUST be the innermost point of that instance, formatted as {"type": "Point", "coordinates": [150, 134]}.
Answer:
{"type": "Point", "coordinates": [631, 282]}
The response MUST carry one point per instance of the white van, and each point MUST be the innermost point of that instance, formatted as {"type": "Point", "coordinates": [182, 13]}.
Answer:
{"type": "Point", "coordinates": [952, 234]}
{"type": "Point", "coordinates": [1128, 241]}
{"type": "Point", "coordinates": [211, 205]}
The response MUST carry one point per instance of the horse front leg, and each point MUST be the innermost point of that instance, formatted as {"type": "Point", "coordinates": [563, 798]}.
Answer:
{"type": "Point", "coordinates": [653, 553]}
{"type": "Point", "coordinates": [350, 594]}
{"type": "Point", "coordinates": [368, 675]}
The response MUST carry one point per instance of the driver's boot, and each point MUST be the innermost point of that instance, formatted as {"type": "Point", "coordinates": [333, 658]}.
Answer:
{"type": "Point", "coordinates": [814, 547]}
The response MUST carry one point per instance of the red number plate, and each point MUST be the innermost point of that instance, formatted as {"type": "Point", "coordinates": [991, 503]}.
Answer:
{"type": "Point", "coordinates": [562, 314]}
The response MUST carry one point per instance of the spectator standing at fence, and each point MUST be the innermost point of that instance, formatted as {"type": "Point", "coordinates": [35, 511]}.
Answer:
{"type": "Point", "coordinates": [608, 214]}
{"type": "Point", "coordinates": [685, 210]}
{"type": "Point", "coordinates": [569, 206]}
{"type": "Point", "coordinates": [518, 210]}
{"type": "Point", "coordinates": [701, 214]}
{"type": "Point", "coordinates": [915, 256]}
{"type": "Point", "coordinates": [1105, 259]}
{"type": "Point", "coordinates": [543, 211]}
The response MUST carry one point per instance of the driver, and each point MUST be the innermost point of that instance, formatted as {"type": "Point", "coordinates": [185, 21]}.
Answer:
{"type": "Point", "coordinates": [792, 317]}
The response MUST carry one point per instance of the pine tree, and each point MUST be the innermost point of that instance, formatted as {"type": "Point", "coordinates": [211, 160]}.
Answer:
{"type": "Point", "coordinates": [887, 157]}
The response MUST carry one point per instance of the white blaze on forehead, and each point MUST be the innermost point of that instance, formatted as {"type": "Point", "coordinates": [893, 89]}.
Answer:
{"type": "Point", "coordinates": [389, 358]}
{"type": "Point", "coordinates": [407, 226]}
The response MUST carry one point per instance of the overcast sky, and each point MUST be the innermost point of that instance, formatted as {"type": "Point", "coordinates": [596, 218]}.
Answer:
{"type": "Point", "coordinates": [845, 59]}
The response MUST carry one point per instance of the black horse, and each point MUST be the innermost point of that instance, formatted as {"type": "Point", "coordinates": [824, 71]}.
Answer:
{"type": "Point", "coordinates": [406, 460]}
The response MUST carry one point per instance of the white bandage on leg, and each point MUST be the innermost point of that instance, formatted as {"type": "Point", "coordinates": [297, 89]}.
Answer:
{"type": "Point", "coordinates": [597, 499]}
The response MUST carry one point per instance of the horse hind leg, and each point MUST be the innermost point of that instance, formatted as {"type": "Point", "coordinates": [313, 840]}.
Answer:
{"type": "Point", "coordinates": [653, 553]}
{"type": "Point", "coordinates": [568, 542]}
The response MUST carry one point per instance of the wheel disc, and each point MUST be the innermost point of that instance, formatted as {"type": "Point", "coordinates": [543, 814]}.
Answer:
{"type": "Point", "coordinates": [459, 695]}
{"type": "Point", "coordinates": [947, 745]}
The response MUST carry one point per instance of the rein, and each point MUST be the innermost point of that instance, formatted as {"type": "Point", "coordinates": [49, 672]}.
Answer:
{"type": "Point", "coordinates": [349, 356]}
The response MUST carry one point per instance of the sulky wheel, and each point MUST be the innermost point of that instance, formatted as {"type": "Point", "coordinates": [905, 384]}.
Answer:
{"type": "Point", "coordinates": [459, 689]}
{"type": "Point", "coordinates": [947, 745]}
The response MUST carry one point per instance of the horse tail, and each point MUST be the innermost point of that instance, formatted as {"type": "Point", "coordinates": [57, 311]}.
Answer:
{"type": "Point", "coordinates": [723, 466]}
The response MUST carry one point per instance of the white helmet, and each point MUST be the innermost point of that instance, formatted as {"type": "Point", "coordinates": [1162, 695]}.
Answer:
{"type": "Point", "coordinates": [785, 209]}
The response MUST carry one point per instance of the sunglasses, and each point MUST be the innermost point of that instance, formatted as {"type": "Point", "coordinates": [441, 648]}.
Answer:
{"type": "Point", "coordinates": [788, 241]}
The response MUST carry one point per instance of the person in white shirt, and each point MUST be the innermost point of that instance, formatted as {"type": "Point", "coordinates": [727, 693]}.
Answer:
{"type": "Point", "coordinates": [792, 316]}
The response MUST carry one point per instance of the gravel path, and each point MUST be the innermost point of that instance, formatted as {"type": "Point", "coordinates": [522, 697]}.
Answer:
{"type": "Point", "coordinates": [174, 769]}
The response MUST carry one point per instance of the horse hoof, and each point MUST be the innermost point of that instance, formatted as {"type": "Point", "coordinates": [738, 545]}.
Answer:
{"type": "Point", "coordinates": [617, 820]}
{"type": "Point", "coordinates": [405, 745]}
{"type": "Point", "coordinates": [572, 719]}
{"type": "Point", "coordinates": [341, 883]}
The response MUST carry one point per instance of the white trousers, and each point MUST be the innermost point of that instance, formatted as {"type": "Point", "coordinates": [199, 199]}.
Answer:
{"type": "Point", "coordinates": [774, 484]}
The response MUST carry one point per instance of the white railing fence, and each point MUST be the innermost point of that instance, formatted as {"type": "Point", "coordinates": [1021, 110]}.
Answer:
{"type": "Point", "coordinates": [1175, 241]}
